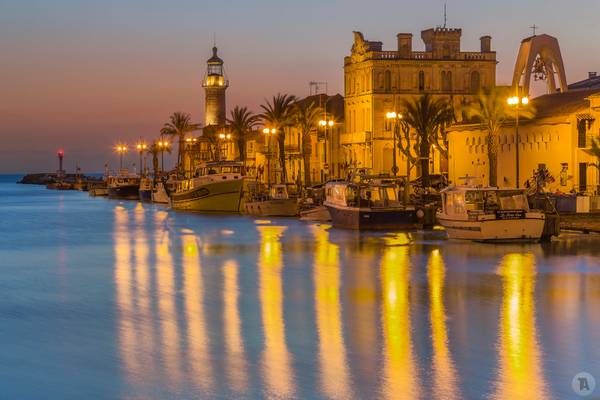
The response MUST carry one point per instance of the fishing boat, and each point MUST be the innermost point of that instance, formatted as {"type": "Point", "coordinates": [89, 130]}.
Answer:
{"type": "Point", "coordinates": [123, 186]}
{"type": "Point", "coordinates": [368, 204]}
{"type": "Point", "coordinates": [146, 189]}
{"type": "Point", "coordinates": [98, 189]}
{"type": "Point", "coordinates": [277, 202]}
{"type": "Point", "coordinates": [217, 186]}
{"type": "Point", "coordinates": [311, 205]}
{"type": "Point", "coordinates": [489, 214]}
{"type": "Point", "coordinates": [315, 213]}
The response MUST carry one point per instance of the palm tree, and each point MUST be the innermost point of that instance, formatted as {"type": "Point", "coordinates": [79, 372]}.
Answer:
{"type": "Point", "coordinates": [155, 150]}
{"type": "Point", "coordinates": [306, 115]}
{"type": "Point", "coordinates": [426, 116]}
{"type": "Point", "coordinates": [278, 114]}
{"type": "Point", "coordinates": [241, 123]}
{"type": "Point", "coordinates": [180, 124]}
{"type": "Point", "coordinates": [491, 111]}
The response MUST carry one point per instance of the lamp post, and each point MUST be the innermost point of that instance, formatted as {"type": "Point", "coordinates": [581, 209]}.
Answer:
{"type": "Point", "coordinates": [121, 149]}
{"type": "Point", "coordinates": [326, 123]}
{"type": "Point", "coordinates": [268, 133]}
{"type": "Point", "coordinates": [223, 137]}
{"type": "Point", "coordinates": [190, 142]}
{"type": "Point", "coordinates": [395, 118]}
{"type": "Point", "coordinates": [141, 147]}
{"type": "Point", "coordinates": [515, 102]}
{"type": "Point", "coordinates": [162, 145]}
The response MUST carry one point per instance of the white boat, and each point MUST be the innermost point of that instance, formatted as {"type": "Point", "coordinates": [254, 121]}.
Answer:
{"type": "Point", "coordinates": [276, 203]}
{"type": "Point", "coordinates": [216, 187]}
{"type": "Point", "coordinates": [489, 214]}
{"type": "Point", "coordinates": [124, 186]}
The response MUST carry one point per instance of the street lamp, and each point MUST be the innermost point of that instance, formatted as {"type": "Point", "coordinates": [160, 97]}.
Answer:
{"type": "Point", "coordinates": [162, 145]}
{"type": "Point", "coordinates": [223, 137]}
{"type": "Point", "coordinates": [515, 102]}
{"type": "Point", "coordinates": [325, 123]}
{"type": "Point", "coordinates": [141, 147]}
{"type": "Point", "coordinates": [269, 132]}
{"type": "Point", "coordinates": [121, 149]}
{"type": "Point", "coordinates": [395, 118]}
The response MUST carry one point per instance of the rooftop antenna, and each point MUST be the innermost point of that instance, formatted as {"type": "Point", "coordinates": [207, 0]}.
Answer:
{"type": "Point", "coordinates": [445, 19]}
{"type": "Point", "coordinates": [534, 27]}
{"type": "Point", "coordinates": [214, 39]}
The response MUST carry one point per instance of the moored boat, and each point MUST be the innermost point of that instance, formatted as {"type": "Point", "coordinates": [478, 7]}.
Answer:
{"type": "Point", "coordinates": [276, 203]}
{"type": "Point", "coordinates": [145, 189]}
{"type": "Point", "coordinates": [124, 186]}
{"type": "Point", "coordinates": [489, 214]}
{"type": "Point", "coordinates": [216, 187]}
{"type": "Point", "coordinates": [98, 189]}
{"type": "Point", "coordinates": [368, 205]}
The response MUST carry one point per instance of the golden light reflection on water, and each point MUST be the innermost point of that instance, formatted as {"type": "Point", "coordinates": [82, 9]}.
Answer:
{"type": "Point", "coordinates": [276, 360]}
{"type": "Point", "coordinates": [198, 342]}
{"type": "Point", "coordinates": [334, 374]}
{"type": "Point", "coordinates": [235, 360]}
{"type": "Point", "coordinates": [124, 294]}
{"type": "Point", "coordinates": [167, 308]}
{"type": "Point", "coordinates": [400, 366]}
{"type": "Point", "coordinates": [520, 374]}
{"type": "Point", "coordinates": [143, 287]}
{"type": "Point", "coordinates": [445, 382]}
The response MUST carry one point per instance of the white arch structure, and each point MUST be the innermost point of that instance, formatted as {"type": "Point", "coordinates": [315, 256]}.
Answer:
{"type": "Point", "coordinates": [547, 48]}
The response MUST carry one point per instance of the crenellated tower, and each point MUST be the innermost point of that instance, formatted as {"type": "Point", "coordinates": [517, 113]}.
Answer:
{"type": "Point", "coordinates": [215, 86]}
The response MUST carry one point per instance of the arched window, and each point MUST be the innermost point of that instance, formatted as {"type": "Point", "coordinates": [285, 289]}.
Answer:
{"type": "Point", "coordinates": [446, 81]}
{"type": "Point", "coordinates": [421, 81]}
{"type": "Point", "coordinates": [388, 80]}
{"type": "Point", "coordinates": [475, 81]}
{"type": "Point", "coordinates": [380, 80]}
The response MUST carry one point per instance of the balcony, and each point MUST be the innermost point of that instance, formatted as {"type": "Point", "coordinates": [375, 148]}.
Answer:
{"type": "Point", "coordinates": [355, 138]}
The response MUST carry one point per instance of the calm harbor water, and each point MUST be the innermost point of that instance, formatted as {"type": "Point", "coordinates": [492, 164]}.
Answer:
{"type": "Point", "coordinates": [106, 299]}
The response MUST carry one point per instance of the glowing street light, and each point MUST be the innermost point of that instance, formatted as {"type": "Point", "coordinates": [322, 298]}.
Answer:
{"type": "Point", "coordinates": [269, 132]}
{"type": "Point", "coordinates": [395, 118]}
{"type": "Point", "coordinates": [141, 147]}
{"type": "Point", "coordinates": [121, 149]}
{"type": "Point", "coordinates": [162, 145]}
{"type": "Point", "coordinates": [326, 123]}
{"type": "Point", "coordinates": [516, 101]}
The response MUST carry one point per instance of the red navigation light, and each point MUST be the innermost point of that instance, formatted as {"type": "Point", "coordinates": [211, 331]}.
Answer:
{"type": "Point", "coordinates": [60, 152]}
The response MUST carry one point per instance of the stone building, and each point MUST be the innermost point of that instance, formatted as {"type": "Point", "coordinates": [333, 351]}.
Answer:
{"type": "Point", "coordinates": [559, 137]}
{"type": "Point", "coordinates": [376, 81]}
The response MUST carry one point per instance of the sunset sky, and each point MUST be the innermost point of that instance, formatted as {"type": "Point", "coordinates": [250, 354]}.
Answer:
{"type": "Point", "coordinates": [84, 75]}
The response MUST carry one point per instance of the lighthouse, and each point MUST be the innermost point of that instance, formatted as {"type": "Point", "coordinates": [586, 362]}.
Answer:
{"type": "Point", "coordinates": [215, 86]}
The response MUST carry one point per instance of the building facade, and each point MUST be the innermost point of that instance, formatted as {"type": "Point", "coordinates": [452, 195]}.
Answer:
{"type": "Point", "coordinates": [559, 137]}
{"type": "Point", "coordinates": [377, 81]}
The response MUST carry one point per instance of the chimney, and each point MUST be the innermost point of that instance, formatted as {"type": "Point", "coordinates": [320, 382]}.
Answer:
{"type": "Point", "coordinates": [486, 44]}
{"type": "Point", "coordinates": [592, 75]}
{"type": "Point", "coordinates": [405, 45]}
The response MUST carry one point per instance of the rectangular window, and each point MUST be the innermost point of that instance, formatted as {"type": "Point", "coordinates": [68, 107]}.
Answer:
{"type": "Point", "coordinates": [581, 134]}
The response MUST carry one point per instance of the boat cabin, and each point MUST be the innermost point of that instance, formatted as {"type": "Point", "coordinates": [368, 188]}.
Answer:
{"type": "Point", "coordinates": [279, 192]}
{"type": "Point", "coordinates": [219, 167]}
{"type": "Point", "coordinates": [362, 195]}
{"type": "Point", "coordinates": [469, 202]}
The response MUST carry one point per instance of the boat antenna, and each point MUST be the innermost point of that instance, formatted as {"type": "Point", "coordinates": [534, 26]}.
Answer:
{"type": "Point", "coordinates": [445, 19]}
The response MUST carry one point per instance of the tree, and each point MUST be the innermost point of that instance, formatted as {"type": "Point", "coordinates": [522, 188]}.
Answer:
{"type": "Point", "coordinates": [241, 123]}
{"type": "Point", "coordinates": [278, 114]}
{"type": "Point", "coordinates": [155, 150]}
{"type": "Point", "coordinates": [306, 115]}
{"type": "Point", "coordinates": [426, 116]}
{"type": "Point", "coordinates": [492, 111]}
{"type": "Point", "coordinates": [180, 124]}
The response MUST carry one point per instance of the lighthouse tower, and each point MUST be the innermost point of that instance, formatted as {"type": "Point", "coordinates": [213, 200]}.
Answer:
{"type": "Point", "coordinates": [214, 85]}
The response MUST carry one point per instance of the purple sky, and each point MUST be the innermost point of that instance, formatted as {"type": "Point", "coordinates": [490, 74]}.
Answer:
{"type": "Point", "coordinates": [85, 75]}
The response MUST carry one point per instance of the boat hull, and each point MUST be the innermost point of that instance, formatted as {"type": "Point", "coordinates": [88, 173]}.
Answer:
{"type": "Point", "coordinates": [273, 208]}
{"type": "Point", "coordinates": [159, 195]}
{"type": "Point", "coordinates": [373, 219]}
{"type": "Point", "coordinates": [223, 196]}
{"type": "Point", "coordinates": [513, 230]}
{"type": "Point", "coordinates": [146, 195]}
{"type": "Point", "coordinates": [319, 213]}
{"type": "Point", "coordinates": [98, 191]}
{"type": "Point", "coordinates": [124, 192]}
